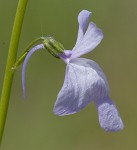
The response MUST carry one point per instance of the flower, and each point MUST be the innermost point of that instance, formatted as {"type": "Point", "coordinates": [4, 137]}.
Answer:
{"type": "Point", "coordinates": [85, 80]}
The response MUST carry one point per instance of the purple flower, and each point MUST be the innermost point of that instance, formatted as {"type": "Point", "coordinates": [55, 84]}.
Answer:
{"type": "Point", "coordinates": [85, 80]}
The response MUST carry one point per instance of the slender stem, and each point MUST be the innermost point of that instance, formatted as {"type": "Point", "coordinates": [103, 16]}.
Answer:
{"type": "Point", "coordinates": [27, 49]}
{"type": "Point", "coordinates": [9, 73]}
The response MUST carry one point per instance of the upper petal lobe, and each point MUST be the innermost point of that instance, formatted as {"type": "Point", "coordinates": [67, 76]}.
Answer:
{"type": "Point", "coordinates": [82, 20]}
{"type": "Point", "coordinates": [90, 40]}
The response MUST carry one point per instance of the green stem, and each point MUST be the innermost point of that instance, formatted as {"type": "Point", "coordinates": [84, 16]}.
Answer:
{"type": "Point", "coordinates": [9, 73]}
{"type": "Point", "coordinates": [27, 49]}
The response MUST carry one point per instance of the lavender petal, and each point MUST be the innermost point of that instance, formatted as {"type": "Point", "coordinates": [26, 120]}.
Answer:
{"type": "Point", "coordinates": [83, 18]}
{"type": "Point", "coordinates": [109, 117]}
{"type": "Point", "coordinates": [91, 39]}
{"type": "Point", "coordinates": [84, 82]}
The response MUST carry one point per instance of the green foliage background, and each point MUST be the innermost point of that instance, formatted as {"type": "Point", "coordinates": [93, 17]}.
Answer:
{"type": "Point", "coordinates": [31, 124]}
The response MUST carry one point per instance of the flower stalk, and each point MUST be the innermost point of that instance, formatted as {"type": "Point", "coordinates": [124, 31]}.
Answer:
{"type": "Point", "coordinates": [27, 49]}
{"type": "Point", "coordinates": [9, 72]}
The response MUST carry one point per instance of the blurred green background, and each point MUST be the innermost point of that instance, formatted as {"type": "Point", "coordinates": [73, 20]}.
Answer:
{"type": "Point", "coordinates": [31, 124]}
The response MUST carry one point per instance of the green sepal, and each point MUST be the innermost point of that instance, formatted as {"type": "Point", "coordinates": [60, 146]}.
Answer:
{"type": "Point", "coordinates": [55, 48]}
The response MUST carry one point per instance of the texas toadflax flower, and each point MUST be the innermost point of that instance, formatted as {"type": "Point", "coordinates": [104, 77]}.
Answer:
{"type": "Point", "coordinates": [84, 79]}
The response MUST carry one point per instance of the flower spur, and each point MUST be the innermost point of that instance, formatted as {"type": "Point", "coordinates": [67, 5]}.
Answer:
{"type": "Point", "coordinates": [84, 79]}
